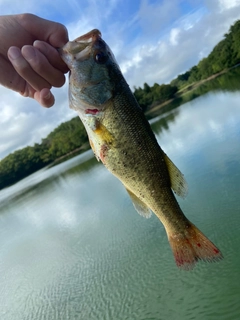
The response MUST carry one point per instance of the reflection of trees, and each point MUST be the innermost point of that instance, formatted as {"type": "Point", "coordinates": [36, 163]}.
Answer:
{"type": "Point", "coordinates": [226, 82]}
{"type": "Point", "coordinates": [158, 110]}
{"type": "Point", "coordinates": [229, 81]}
{"type": "Point", "coordinates": [163, 123]}
{"type": "Point", "coordinates": [85, 166]}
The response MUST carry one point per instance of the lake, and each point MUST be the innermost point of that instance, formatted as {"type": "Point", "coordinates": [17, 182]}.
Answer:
{"type": "Point", "coordinates": [73, 246]}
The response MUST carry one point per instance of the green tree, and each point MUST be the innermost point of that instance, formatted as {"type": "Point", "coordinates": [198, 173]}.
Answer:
{"type": "Point", "coordinates": [65, 138]}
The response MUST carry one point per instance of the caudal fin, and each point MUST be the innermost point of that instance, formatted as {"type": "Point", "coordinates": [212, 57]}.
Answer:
{"type": "Point", "coordinates": [191, 246]}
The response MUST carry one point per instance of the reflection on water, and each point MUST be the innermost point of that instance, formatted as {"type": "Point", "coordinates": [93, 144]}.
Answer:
{"type": "Point", "coordinates": [73, 247]}
{"type": "Point", "coordinates": [225, 82]}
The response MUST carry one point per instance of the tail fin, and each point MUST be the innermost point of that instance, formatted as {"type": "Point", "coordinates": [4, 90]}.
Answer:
{"type": "Point", "coordinates": [191, 246]}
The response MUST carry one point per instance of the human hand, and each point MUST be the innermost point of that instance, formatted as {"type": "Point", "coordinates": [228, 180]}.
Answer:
{"type": "Point", "coordinates": [29, 61]}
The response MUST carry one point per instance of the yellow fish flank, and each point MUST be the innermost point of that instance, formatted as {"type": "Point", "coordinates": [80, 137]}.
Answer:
{"type": "Point", "coordinates": [122, 139]}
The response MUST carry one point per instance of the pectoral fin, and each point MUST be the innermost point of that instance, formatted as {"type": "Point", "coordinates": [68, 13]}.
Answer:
{"type": "Point", "coordinates": [140, 206]}
{"type": "Point", "coordinates": [104, 134]}
{"type": "Point", "coordinates": [101, 140]}
{"type": "Point", "coordinates": [178, 182]}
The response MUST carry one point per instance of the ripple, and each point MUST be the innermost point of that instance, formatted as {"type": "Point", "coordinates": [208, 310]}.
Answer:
{"type": "Point", "coordinates": [74, 247]}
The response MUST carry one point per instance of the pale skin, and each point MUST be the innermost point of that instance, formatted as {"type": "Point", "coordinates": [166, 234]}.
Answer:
{"type": "Point", "coordinates": [29, 60]}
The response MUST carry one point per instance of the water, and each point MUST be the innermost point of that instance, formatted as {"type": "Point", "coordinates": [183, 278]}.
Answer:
{"type": "Point", "coordinates": [73, 247]}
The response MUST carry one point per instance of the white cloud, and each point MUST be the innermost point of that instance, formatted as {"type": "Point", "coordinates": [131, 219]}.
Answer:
{"type": "Point", "coordinates": [23, 122]}
{"type": "Point", "coordinates": [155, 16]}
{"type": "Point", "coordinates": [174, 36]}
{"type": "Point", "coordinates": [228, 4]}
{"type": "Point", "coordinates": [191, 38]}
{"type": "Point", "coordinates": [6, 113]}
{"type": "Point", "coordinates": [191, 121]}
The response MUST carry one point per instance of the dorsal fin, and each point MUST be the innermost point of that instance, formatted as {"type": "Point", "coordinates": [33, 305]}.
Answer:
{"type": "Point", "coordinates": [178, 182]}
{"type": "Point", "coordinates": [140, 206]}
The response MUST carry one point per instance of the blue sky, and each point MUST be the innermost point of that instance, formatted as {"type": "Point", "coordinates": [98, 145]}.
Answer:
{"type": "Point", "coordinates": [153, 41]}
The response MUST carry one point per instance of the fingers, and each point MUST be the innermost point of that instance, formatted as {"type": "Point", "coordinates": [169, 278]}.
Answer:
{"type": "Point", "coordinates": [45, 98]}
{"type": "Point", "coordinates": [38, 72]}
{"type": "Point", "coordinates": [24, 69]}
{"type": "Point", "coordinates": [12, 80]}
{"type": "Point", "coordinates": [51, 54]}
{"type": "Point", "coordinates": [9, 77]}
{"type": "Point", "coordinates": [40, 64]}
{"type": "Point", "coordinates": [35, 68]}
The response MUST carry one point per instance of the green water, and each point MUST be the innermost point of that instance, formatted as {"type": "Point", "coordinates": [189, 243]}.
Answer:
{"type": "Point", "coordinates": [73, 247]}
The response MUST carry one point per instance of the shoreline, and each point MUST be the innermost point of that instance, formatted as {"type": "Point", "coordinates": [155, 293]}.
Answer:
{"type": "Point", "coordinates": [187, 89]}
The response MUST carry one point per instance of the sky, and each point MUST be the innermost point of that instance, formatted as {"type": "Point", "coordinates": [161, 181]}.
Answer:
{"type": "Point", "coordinates": [153, 41]}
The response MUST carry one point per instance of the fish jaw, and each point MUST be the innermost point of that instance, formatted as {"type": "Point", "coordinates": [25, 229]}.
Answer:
{"type": "Point", "coordinates": [80, 48]}
{"type": "Point", "coordinates": [90, 61]}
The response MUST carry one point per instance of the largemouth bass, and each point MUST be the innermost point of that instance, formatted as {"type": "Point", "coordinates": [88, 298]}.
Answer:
{"type": "Point", "coordinates": [122, 139]}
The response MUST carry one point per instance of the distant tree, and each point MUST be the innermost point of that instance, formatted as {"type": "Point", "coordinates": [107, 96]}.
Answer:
{"type": "Point", "coordinates": [195, 74]}
{"type": "Point", "coordinates": [148, 96]}
{"type": "Point", "coordinates": [164, 92]}
{"type": "Point", "coordinates": [224, 55]}
{"type": "Point", "coordinates": [146, 88]}
{"type": "Point", "coordinates": [65, 138]}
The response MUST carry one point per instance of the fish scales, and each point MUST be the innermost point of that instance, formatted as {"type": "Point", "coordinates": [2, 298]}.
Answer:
{"type": "Point", "coordinates": [145, 172]}
{"type": "Point", "coordinates": [122, 139]}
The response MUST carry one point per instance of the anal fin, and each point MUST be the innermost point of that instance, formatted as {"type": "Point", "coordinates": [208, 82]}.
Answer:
{"type": "Point", "coordinates": [139, 205]}
{"type": "Point", "coordinates": [178, 182]}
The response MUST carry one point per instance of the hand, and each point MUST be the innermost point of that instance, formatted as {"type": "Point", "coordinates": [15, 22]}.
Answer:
{"type": "Point", "coordinates": [29, 61]}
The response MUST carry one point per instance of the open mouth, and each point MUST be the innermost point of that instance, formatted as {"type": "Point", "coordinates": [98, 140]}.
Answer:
{"type": "Point", "coordinates": [91, 36]}
{"type": "Point", "coordinates": [80, 48]}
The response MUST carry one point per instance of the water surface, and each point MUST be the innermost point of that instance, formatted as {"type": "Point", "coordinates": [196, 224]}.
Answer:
{"type": "Point", "coordinates": [73, 247]}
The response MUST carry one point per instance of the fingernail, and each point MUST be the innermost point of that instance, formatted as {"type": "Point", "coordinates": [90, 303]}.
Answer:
{"type": "Point", "coordinates": [36, 42]}
{"type": "Point", "coordinates": [14, 53]}
{"type": "Point", "coordinates": [39, 45]}
{"type": "Point", "coordinates": [28, 52]}
{"type": "Point", "coordinates": [47, 96]}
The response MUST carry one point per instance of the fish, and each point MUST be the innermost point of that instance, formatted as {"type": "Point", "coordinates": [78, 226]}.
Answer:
{"type": "Point", "coordinates": [122, 139]}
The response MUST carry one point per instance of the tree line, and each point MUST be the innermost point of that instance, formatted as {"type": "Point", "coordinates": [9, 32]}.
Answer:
{"type": "Point", "coordinates": [71, 135]}
{"type": "Point", "coordinates": [68, 136]}
{"type": "Point", "coordinates": [224, 55]}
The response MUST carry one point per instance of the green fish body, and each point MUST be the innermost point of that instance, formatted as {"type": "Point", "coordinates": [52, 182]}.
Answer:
{"type": "Point", "coordinates": [122, 139]}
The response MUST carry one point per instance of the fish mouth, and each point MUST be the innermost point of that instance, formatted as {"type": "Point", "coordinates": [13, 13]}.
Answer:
{"type": "Point", "coordinates": [89, 37]}
{"type": "Point", "coordinates": [81, 47]}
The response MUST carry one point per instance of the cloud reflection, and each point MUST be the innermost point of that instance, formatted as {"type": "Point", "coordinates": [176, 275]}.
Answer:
{"type": "Point", "coordinates": [200, 121]}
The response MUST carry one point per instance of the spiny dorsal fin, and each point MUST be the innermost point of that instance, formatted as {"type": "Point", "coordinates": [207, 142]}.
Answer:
{"type": "Point", "coordinates": [140, 206]}
{"type": "Point", "coordinates": [178, 182]}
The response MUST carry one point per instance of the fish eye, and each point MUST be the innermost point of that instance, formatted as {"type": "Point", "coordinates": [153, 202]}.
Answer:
{"type": "Point", "coordinates": [101, 57]}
